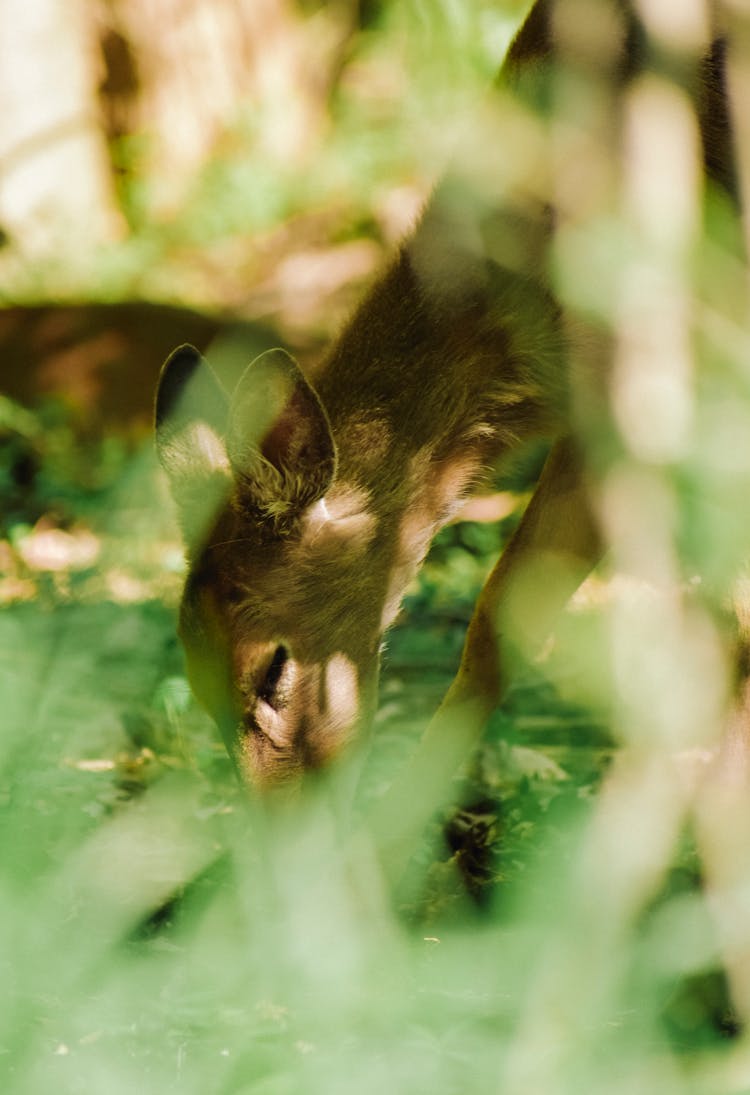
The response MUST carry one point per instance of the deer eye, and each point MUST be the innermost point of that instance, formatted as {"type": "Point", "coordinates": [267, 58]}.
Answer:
{"type": "Point", "coordinates": [269, 690]}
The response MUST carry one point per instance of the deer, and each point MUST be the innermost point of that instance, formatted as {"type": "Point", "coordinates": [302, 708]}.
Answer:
{"type": "Point", "coordinates": [307, 509]}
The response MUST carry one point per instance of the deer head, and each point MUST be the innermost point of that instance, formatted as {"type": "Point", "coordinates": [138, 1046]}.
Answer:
{"type": "Point", "coordinates": [279, 550]}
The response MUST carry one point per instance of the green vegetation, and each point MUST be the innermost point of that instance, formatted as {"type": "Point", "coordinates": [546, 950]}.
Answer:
{"type": "Point", "coordinates": [161, 932]}
{"type": "Point", "coordinates": [571, 921]}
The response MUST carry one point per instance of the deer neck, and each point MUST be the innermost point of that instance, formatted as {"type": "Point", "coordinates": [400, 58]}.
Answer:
{"type": "Point", "coordinates": [398, 418]}
{"type": "Point", "coordinates": [452, 359]}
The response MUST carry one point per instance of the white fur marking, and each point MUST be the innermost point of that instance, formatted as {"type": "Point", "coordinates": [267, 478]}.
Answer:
{"type": "Point", "coordinates": [342, 689]}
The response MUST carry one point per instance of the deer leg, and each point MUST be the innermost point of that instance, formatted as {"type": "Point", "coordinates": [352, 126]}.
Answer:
{"type": "Point", "coordinates": [552, 550]}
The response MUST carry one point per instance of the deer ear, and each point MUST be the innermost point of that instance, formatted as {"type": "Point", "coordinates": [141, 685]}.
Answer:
{"type": "Point", "coordinates": [279, 441]}
{"type": "Point", "coordinates": [191, 415]}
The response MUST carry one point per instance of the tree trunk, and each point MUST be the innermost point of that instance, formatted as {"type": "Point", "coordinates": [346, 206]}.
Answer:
{"type": "Point", "coordinates": [56, 187]}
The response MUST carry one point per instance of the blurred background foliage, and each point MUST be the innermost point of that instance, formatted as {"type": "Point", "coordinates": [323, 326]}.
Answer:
{"type": "Point", "coordinates": [232, 173]}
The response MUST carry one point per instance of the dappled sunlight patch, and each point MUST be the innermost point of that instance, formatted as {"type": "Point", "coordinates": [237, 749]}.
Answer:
{"type": "Point", "coordinates": [16, 589]}
{"type": "Point", "coordinates": [486, 508]}
{"type": "Point", "coordinates": [14, 586]}
{"type": "Point", "coordinates": [305, 281]}
{"type": "Point", "coordinates": [41, 554]}
{"type": "Point", "coordinates": [92, 764]}
{"type": "Point", "coordinates": [54, 549]}
{"type": "Point", "coordinates": [134, 770]}
{"type": "Point", "coordinates": [84, 564]}
{"type": "Point", "coordinates": [125, 588]}
{"type": "Point", "coordinates": [341, 524]}
{"type": "Point", "coordinates": [342, 688]}
{"type": "Point", "coordinates": [520, 762]}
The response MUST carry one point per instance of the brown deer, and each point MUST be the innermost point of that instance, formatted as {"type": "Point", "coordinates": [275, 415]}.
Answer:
{"type": "Point", "coordinates": [307, 511]}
